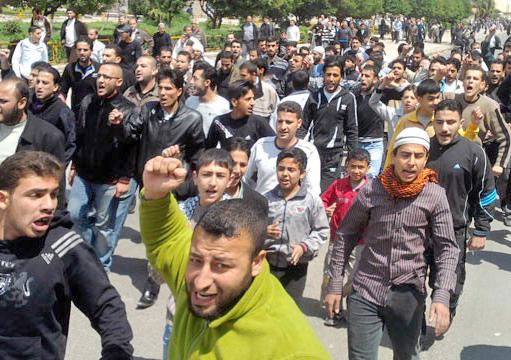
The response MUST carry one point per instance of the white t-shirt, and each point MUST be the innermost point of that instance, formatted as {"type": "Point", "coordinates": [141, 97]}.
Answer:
{"type": "Point", "coordinates": [293, 33]}
{"type": "Point", "coordinates": [209, 110]}
{"type": "Point", "coordinates": [70, 33]}
{"type": "Point", "coordinates": [263, 161]}
{"type": "Point", "coordinates": [9, 139]}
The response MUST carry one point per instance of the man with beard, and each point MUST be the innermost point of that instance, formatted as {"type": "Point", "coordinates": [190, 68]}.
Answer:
{"type": "Point", "coordinates": [161, 39]}
{"type": "Point", "coordinates": [103, 162]}
{"type": "Point", "coordinates": [21, 130]}
{"type": "Point", "coordinates": [277, 67]}
{"type": "Point", "coordinates": [240, 122]}
{"type": "Point", "coordinates": [113, 54]}
{"type": "Point", "coordinates": [370, 124]}
{"type": "Point", "coordinates": [329, 116]}
{"type": "Point", "coordinates": [266, 98]}
{"type": "Point", "coordinates": [286, 85]}
{"type": "Point", "coordinates": [71, 31]}
{"type": "Point", "coordinates": [452, 85]}
{"type": "Point", "coordinates": [237, 60]}
{"type": "Point", "coordinates": [141, 36]}
{"type": "Point", "coordinates": [47, 105]}
{"type": "Point", "coordinates": [45, 266]}
{"type": "Point", "coordinates": [80, 76]}
{"type": "Point", "coordinates": [204, 99]}
{"type": "Point", "coordinates": [219, 276]}
{"type": "Point", "coordinates": [165, 57]}
{"type": "Point", "coordinates": [146, 88]}
{"type": "Point", "coordinates": [224, 73]}
{"type": "Point", "coordinates": [496, 76]}
{"type": "Point", "coordinates": [131, 48]}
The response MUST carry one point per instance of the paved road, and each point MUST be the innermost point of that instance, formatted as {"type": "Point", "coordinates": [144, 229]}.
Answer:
{"type": "Point", "coordinates": [481, 329]}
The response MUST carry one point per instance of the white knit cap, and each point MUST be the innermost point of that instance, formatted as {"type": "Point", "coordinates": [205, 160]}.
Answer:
{"type": "Point", "coordinates": [412, 135]}
{"type": "Point", "coordinates": [319, 49]}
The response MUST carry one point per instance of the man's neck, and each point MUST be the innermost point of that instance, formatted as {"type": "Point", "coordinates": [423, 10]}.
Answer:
{"type": "Point", "coordinates": [147, 87]}
{"type": "Point", "coordinates": [368, 91]}
{"type": "Point", "coordinates": [288, 194]}
{"type": "Point", "coordinates": [233, 191]}
{"type": "Point", "coordinates": [209, 96]}
{"type": "Point", "coordinates": [19, 120]}
{"type": "Point", "coordinates": [471, 99]}
{"type": "Point", "coordinates": [422, 112]}
{"type": "Point", "coordinates": [171, 109]}
{"type": "Point", "coordinates": [286, 144]}
{"type": "Point", "coordinates": [356, 184]}
{"type": "Point", "coordinates": [236, 114]}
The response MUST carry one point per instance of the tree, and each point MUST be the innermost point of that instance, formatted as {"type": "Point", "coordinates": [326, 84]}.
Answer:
{"type": "Point", "coordinates": [485, 8]}
{"type": "Point", "coordinates": [49, 7]}
{"type": "Point", "coordinates": [159, 10]}
{"type": "Point", "coordinates": [398, 7]}
{"type": "Point", "coordinates": [215, 10]}
{"type": "Point", "coordinates": [354, 8]}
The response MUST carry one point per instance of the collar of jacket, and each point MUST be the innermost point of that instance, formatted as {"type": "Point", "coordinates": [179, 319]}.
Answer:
{"type": "Point", "coordinates": [89, 70]}
{"type": "Point", "coordinates": [158, 110]}
{"type": "Point", "coordinates": [39, 106]}
{"type": "Point", "coordinates": [258, 91]}
{"type": "Point", "coordinates": [114, 100]}
{"type": "Point", "coordinates": [434, 142]}
{"type": "Point", "coordinates": [300, 194]}
{"type": "Point", "coordinates": [31, 132]}
{"type": "Point", "coordinates": [256, 296]}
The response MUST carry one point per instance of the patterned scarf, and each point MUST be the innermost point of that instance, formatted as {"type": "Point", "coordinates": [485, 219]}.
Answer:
{"type": "Point", "coordinates": [396, 189]}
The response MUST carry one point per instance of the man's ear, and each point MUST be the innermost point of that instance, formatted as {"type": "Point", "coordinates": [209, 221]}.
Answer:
{"type": "Point", "coordinates": [194, 177]}
{"type": "Point", "coordinates": [4, 200]}
{"type": "Point", "coordinates": [257, 263]}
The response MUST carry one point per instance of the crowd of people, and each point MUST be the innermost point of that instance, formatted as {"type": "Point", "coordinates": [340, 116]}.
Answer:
{"type": "Point", "coordinates": [243, 165]}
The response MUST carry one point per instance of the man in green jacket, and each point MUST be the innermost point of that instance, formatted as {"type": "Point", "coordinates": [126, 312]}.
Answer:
{"type": "Point", "coordinates": [228, 305]}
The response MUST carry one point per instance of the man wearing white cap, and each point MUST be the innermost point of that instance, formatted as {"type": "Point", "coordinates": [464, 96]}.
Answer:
{"type": "Point", "coordinates": [317, 73]}
{"type": "Point", "coordinates": [400, 213]}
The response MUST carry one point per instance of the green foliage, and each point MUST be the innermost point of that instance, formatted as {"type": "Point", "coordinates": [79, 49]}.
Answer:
{"type": "Point", "coordinates": [51, 6]}
{"type": "Point", "coordinates": [12, 29]}
{"type": "Point", "coordinates": [158, 10]}
{"type": "Point", "coordinates": [443, 10]}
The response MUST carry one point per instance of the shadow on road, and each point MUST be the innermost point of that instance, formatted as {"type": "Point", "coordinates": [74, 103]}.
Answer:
{"type": "Point", "coordinates": [131, 234]}
{"type": "Point", "coordinates": [500, 237]}
{"type": "Point", "coordinates": [477, 352]}
{"type": "Point", "coordinates": [135, 268]}
{"type": "Point", "coordinates": [311, 307]}
{"type": "Point", "coordinates": [503, 261]}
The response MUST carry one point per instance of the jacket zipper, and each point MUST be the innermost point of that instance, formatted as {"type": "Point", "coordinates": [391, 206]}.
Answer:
{"type": "Point", "coordinates": [282, 230]}
{"type": "Point", "coordinates": [194, 341]}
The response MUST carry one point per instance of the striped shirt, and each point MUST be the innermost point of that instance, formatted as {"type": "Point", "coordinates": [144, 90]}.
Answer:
{"type": "Point", "coordinates": [396, 233]}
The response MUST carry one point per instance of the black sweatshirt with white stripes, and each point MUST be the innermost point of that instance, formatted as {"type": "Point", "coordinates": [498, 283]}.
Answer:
{"type": "Point", "coordinates": [39, 278]}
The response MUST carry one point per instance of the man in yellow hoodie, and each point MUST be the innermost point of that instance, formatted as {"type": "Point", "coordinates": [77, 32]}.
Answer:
{"type": "Point", "coordinates": [228, 305]}
{"type": "Point", "coordinates": [428, 96]}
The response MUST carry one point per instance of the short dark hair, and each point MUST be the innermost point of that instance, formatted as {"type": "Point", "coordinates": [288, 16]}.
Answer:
{"type": "Point", "coordinates": [476, 55]}
{"type": "Point", "coordinates": [208, 73]}
{"type": "Point", "coordinates": [497, 62]}
{"type": "Point", "coordinates": [374, 69]}
{"type": "Point", "coordinates": [249, 66]}
{"type": "Point", "coordinates": [359, 154]}
{"type": "Point", "coordinates": [230, 217]}
{"type": "Point", "coordinates": [239, 89]}
{"type": "Point", "coordinates": [39, 65]}
{"type": "Point", "coordinates": [185, 53]}
{"type": "Point", "coordinates": [260, 63]}
{"type": "Point", "coordinates": [225, 55]}
{"type": "Point", "coordinates": [220, 157]}
{"type": "Point", "coordinates": [115, 48]}
{"type": "Point", "coordinates": [33, 28]}
{"type": "Point", "coordinates": [473, 67]}
{"type": "Point", "coordinates": [53, 72]}
{"type": "Point", "coordinates": [450, 105]}
{"type": "Point", "coordinates": [236, 41]}
{"type": "Point", "coordinates": [398, 61]}
{"type": "Point", "coordinates": [418, 50]}
{"type": "Point", "coordinates": [174, 76]}
{"type": "Point", "coordinates": [333, 61]}
{"type": "Point", "coordinates": [428, 86]}
{"type": "Point", "coordinates": [300, 80]}
{"type": "Point", "coordinates": [455, 62]}
{"type": "Point", "coordinates": [165, 48]}
{"type": "Point", "coordinates": [237, 144]}
{"type": "Point", "coordinates": [294, 153]}
{"type": "Point", "coordinates": [290, 107]}
{"type": "Point", "coordinates": [25, 163]}
{"type": "Point", "coordinates": [439, 60]}
{"type": "Point", "coordinates": [409, 87]}
{"type": "Point", "coordinates": [271, 39]}
{"type": "Point", "coordinates": [85, 39]}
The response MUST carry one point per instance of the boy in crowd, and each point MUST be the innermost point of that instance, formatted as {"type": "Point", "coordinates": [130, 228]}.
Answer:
{"type": "Point", "coordinates": [337, 200]}
{"type": "Point", "coordinates": [299, 224]}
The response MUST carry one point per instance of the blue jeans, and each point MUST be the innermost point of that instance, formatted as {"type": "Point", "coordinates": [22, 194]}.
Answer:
{"type": "Point", "coordinates": [166, 338]}
{"type": "Point", "coordinates": [92, 208]}
{"type": "Point", "coordinates": [402, 316]}
{"type": "Point", "coordinates": [123, 208]}
{"type": "Point", "coordinates": [375, 149]}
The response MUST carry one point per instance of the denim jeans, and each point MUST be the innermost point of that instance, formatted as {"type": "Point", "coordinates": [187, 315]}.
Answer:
{"type": "Point", "coordinates": [375, 149]}
{"type": "Point", "coordinates": [166, 338]}
{"type": "Point", "coordinates": [123, 208]}
{"type": "Point", "coordinates": [401, 315]}
{"type": "Point", "coordinates": [92, 208]}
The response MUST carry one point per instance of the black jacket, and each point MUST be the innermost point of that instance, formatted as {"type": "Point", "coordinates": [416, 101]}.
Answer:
{"type": "Point", "coordinates": [161, 40]}
{"type": "Point", "coordinates": [39, 278]}
{"type": "Point", "coordinates": [128, 77]}
{"type": "Point", "coordinates": [370, 124]}
{"type": "Point", "coordinates": [184, 128]}
{"type": "Point", "coordinates": [329, 122]}
{"type": "Point", "coordinates": [104, 154]}
{"type": "Point", "coordinates": [80, 29]}
{"type": "Point", "coordinates": [131, 52]}
{"type": "Point", "coordinates": [57, 113]}
{"type": "Point", "coordinates": [39, 135]}
{"type": "Point", "coordinates": [82, 82]}
{"type": "Point", "coordinates": [250, 128]}
{"type": "Point", "coordinates": [464, 171]}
